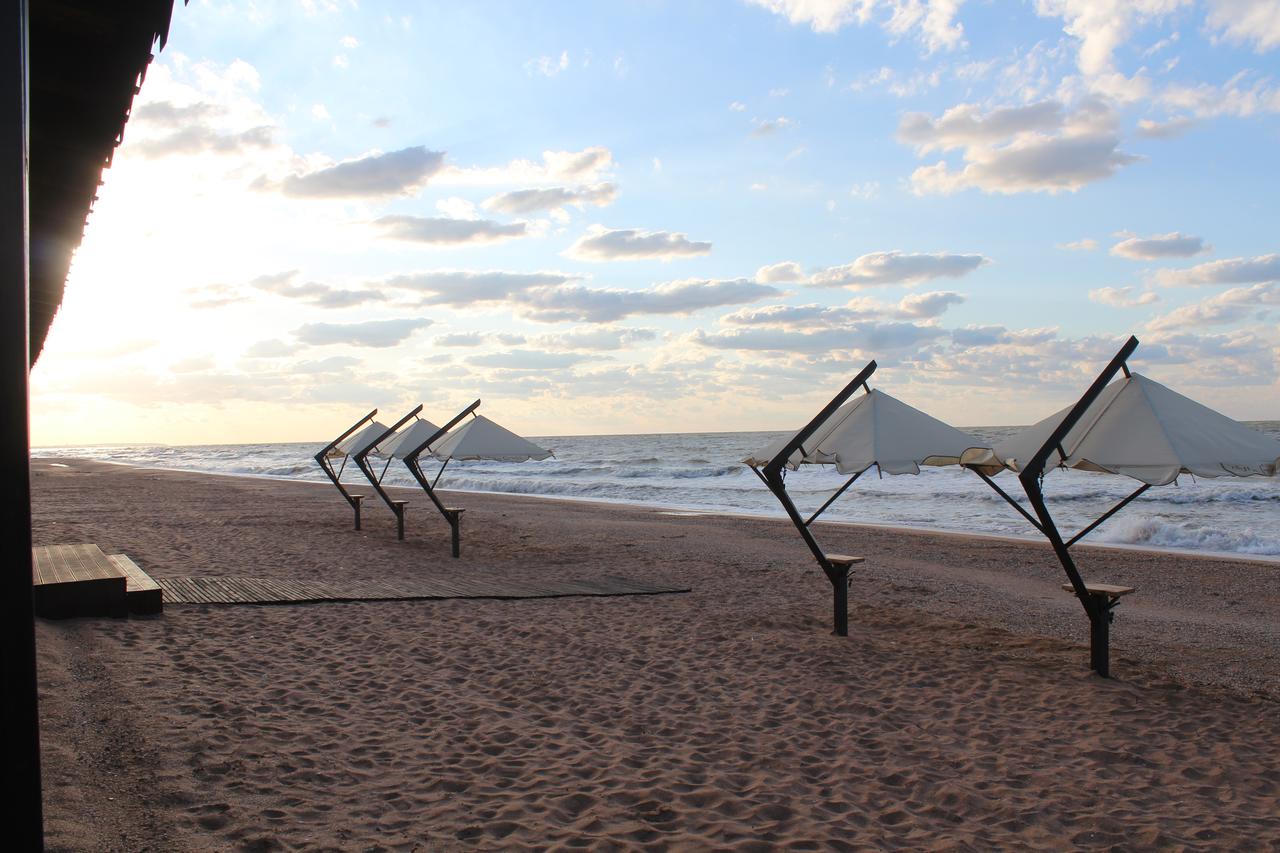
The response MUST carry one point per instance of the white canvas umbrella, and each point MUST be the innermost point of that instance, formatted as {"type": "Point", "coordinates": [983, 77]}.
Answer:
{"type": "Point", "coordinates": [873, 429]}
{"type": "Point", "coordinates": [478, 438]}
{"type": "Point", "coordinates": [1135, 427]}
{"type": "Point", "coordinates": [1141, 429]}
{"type": "Point", "coordinates": [360, 440]}
{"type": "Point", "coordinates": [481, 438]}
{"type": "Point", "coordinates": [404, 441]}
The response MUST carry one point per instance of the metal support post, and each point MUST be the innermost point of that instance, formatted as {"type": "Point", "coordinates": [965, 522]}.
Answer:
{"type": "Point", "coordinates": [18, 646]}
{"type": "Point", "coordinates": [840, 590]}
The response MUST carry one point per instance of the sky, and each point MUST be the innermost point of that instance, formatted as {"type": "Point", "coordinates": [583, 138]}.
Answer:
{"type": "Point", "coordinates": [652, 216]}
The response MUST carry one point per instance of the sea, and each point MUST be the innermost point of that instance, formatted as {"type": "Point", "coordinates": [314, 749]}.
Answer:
{"type": "Point", "coordinates": [702, 472]}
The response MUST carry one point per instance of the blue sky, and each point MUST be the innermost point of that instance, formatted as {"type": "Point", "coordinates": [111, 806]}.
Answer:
{"type": "Point", "coordinates": [648, 216]}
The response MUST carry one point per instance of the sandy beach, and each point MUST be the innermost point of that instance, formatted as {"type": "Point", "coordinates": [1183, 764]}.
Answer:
{"type": "Point", "coordinates": [958, 714]}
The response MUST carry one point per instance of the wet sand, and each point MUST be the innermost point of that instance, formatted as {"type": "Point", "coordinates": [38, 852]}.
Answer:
{"type": "Point", "coordinates": [958, 714]}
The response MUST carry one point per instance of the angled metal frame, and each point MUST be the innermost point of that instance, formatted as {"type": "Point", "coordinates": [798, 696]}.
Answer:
{"type": "Point", "coordinates": [361, 459]}
{"type": "Point", "coordinates": [325, 465]}
{"type": "Point", "coordinates": [773, 478]}
{"type": "Point", "coordinates": [1098, 607]}
{"type": "Point", "coordinates": [453, 515]}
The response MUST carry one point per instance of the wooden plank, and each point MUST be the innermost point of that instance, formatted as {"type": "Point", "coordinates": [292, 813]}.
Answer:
{"type": "Point", "coordinates": [245, 590]}
{"type": "Point", "coordinates": [1108, 589]}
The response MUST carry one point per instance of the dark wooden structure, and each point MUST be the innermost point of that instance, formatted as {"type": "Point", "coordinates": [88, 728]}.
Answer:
{"type": "Point", "coordinates": [1098, 600]}
{"type": "Point", "coordinates": [361, 458]}
{"type": "Point", "coordinates": [80, 580]}
{"type": "Point", "coordinates": [834, 566]}
{"type": "Point", "coordinates": [322, 458]}
{"type": "Point", "coordinates": [413, 461]}
{"type": "Point", "coordinates": [68, 72]}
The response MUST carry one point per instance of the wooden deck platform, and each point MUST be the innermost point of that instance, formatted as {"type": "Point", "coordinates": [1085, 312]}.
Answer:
{"type": "Point", "coordinates": [76, 580]}
{"type": "Point", "coordinates": [241, 590]}
{"type": "Point", "coordinates": [80, 580]}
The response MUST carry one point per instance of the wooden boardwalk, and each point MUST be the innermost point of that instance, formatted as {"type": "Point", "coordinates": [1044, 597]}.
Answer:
{"type": "Point", "coordinates": [240, 590]}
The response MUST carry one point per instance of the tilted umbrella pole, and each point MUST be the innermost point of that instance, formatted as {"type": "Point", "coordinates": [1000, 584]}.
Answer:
{"type": "Point", "coordinates": [838, 574]}
{"type": "Point", "coordinates": [323, 458]}
{"type": "Point", "coordinates": [453, 515]}
{"type": "Point", "coordinates": [362, 459]}
{"type": "Point", "coordinates": [1097, 606]}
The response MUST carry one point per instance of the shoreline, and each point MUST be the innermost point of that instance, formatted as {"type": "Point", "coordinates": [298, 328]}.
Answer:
{"type": "Point", "coordinates": [1271, 559]}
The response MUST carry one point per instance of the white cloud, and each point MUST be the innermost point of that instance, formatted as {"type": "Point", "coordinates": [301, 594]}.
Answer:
{"type": "Point", "coordinates": [1171, 245]}
{"type": "Point", "coordinates": [349, 42]}
{"type": "Point", "coordinates": [921, 306]}
{"type": "Point", "coordinates": [447, 231]}
{"type": "Point", "coordinates": [965, 125]}
{"type": "Point", "coordinates": [1101, 27]}
{"type": "Point", "coordinates": [468, 287]}
{"type": "Point", "coordinates": [313, 293]}
{"type": "Point", "coordinates": [372, 175]}
{"type": "Point", "coordinates": [1122, 297]}
{"type": "Point", "coordinates": [1242, 96]}
{"type": "Point", "coordinates": [527, 360]}
{"type": "Point", "coordinates": [1164, 129]}
{"type": "Point", "coordinates": [548, 66]}
{"type": "Point", "coordinates": [459, 339]}
{"type": "Point", "coordinates": [867, 336]}
{"type": "Point", "coordinates": [603, 338]}
{"type": "Point", "coordinates": [867, 190]}
{"type": "Point", "coordinates": [589, 165]}
{"type": "Point", "coordinates": [898, 85]}
{"type": "Point", "coordinates": [552, 198]}
{"type": "Point", "coordinates": [768, 127]}
{"type": "Point", "coordinates": [170, 128]}
{"type": "Point", "coordinates": [737, 106]}
{"type": "Point", "coordinates": [273, 348]}
{"type": "Point", "coordinates": [926, 306]}
{"type": "Point", "coordinates": [781, 272]}
{"type": "Point", "coordinates": [1088, 244]}
{"type": "Point", "coordinates": [1082, 148]}
{"type": "Point", "coordinates": [320, 112]}
{"type": "Point", "coordinates": [1230, 306]}
{"type": "Point", "coordinates": [1228, 271]}
{"type": "Point", "coordinates": [598, 305]}
{"type": "Point", "coordinates": [372, 333]}
{"type": "Point", "coordinates": [882, 268]}
{"type": "Point", "coordinates": [629, 244]}
{"type": "Point", "coordinates": [1255, 22]}
{"type": "Point", "coordinates": [932, 22]}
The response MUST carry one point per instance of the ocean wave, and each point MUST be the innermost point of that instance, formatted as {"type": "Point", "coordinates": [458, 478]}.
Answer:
{"type": "Point", "coordinates": [1158, 532]}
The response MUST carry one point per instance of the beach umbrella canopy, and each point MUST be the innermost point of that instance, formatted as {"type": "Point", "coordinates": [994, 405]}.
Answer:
{"type": "Point", "coordinates": [481, 438]}
{"type": "Point", "coordinates": [875, 429]}
{"type": "Point", "coordinates": [1141, 429]}
{"type": "Point", "coordinates": [359, 440]}
{"type": "Point", "coordinates": [407, 440]}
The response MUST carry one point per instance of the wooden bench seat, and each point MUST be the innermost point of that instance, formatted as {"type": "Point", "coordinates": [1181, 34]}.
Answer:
{"type": "Point", "coordinates": [844, 560]}
{"type": "Point", "coordinates": [1111, 591]}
